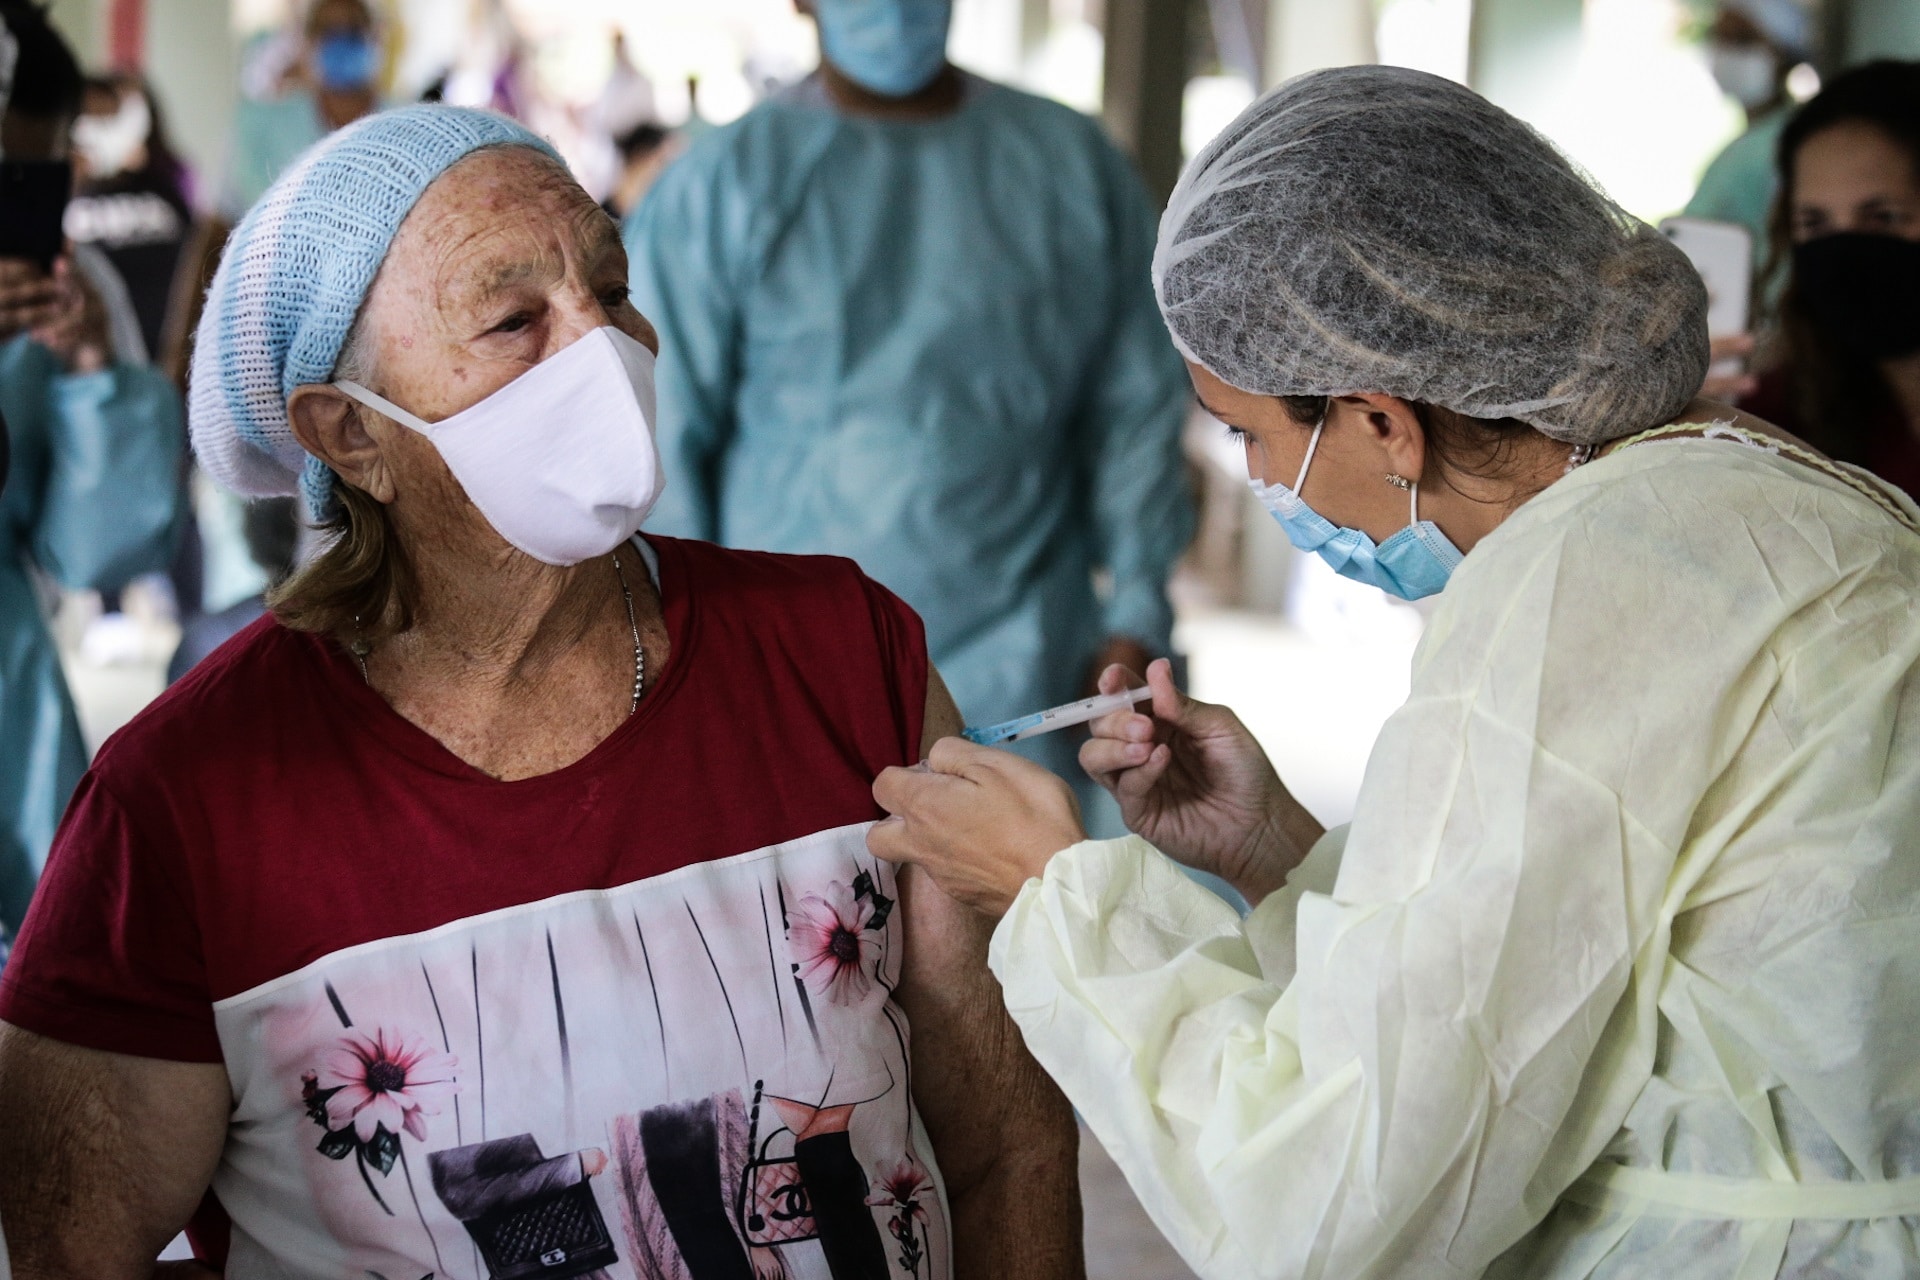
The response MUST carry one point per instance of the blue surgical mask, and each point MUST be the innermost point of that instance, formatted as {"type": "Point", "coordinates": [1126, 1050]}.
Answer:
{"type": "Point", "coordinates": [1414, 563]}
{"type": "Point", "coordinates": [346, 60]}
{"type": "Point", "coordinates": [889, 47]}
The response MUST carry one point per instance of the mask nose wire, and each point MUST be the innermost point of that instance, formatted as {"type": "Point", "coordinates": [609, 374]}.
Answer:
{"type": "Point", "coordinates": [1307, 461]}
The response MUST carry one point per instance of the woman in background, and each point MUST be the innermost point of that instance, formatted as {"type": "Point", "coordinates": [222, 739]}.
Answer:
{"type": "Point", "coordinates": [131, 196]}
{"type": "Point", "coordinates": [1845, 372]}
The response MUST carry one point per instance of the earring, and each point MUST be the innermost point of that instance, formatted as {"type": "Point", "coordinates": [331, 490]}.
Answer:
{"type": "Point", "coordinates": [1399, 482]}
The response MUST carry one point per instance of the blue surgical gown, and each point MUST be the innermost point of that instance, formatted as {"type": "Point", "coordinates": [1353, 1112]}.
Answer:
{"type": "Point", "coordinates": [91, 499]}
{"type": "Point", "coordinates": [1739, 185]}
{"type": "Point", "coordinates": [933, 347]}
{"type": "Point", "coordinates": [268, 135]}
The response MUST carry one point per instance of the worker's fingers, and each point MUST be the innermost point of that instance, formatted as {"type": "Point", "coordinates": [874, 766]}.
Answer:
{"type": "Point", "coordinates": [18, 271]}
{"type": "Point", "coordinates": [34, 292]}
{"type": "Point", "coordinates": [1130, 770]}
{"type": "Point", "coordinates": [960, 758]}
{"type": "Point", "coordinates": [1169, 704]}
{"type": "Point", "coordinates": [899, 788]}
{"type": "Point", "coordinates": [30, 305]}
{"type": "Point", "coordinates": [1729, 387]}
{"type": "Point", "coordinates": [1730, 345]}
{"type": "Point", "coordinates": [887, 839]}
{"type": "Point", "coordinates": [1137, 783]}
{"type": "Point", "coordinates": [1103, 758]}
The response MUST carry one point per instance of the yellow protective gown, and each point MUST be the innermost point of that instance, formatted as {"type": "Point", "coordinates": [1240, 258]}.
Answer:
{"type": "Point", "coordinates": [1616, 971]}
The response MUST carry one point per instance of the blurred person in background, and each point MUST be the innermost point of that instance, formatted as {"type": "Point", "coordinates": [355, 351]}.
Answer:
{"type": "Point", "coordinates": [271, 529]}
{"type": "Point", "coordinates": [330, 82]}
{"type": "Point", "coordinates": [131, 195]}
{"type": "Point", "coordinates": [302, 89]}
{"type": "Point", "coordinates": [93, 492]}
{"type": "Point", "coordinates": [1844, 372]}
{"type": "Point", "coordinates": [1751, 47]}
{"type": "Point", "coordinates": [645, 150]}
{"type": "Point", "coordinates": [905, 317]}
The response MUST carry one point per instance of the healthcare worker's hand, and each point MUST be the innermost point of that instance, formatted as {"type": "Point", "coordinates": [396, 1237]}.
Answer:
{"type": "Point", "coordinates": [981, 822]}
{"type": "Point", "coordinates": [1193, 781]}
{"type": "Point", "coordinates": [29, 297]}
{"type": "Point", "coordinates": [1737, 384]}
{"type": "Point", "coordinates": [77, 331]}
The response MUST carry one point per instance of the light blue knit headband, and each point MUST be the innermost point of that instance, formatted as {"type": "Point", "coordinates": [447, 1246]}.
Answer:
{"type": "Point", "coordinates": [292, 280]}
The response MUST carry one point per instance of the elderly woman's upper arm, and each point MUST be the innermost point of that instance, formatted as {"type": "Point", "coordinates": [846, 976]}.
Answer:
{"type": "Point", "coordinates": [103, 1156]}
{"type": "Point", "coordinates": [943, 717]}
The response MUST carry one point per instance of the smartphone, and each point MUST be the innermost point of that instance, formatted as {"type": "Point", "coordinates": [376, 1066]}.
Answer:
{"type": "Point", "coordinates": [1722, 252]}
{"type": "Point", "coordinates": [33, 206]}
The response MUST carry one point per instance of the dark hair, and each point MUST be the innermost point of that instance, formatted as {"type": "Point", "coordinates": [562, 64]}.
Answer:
{"type": "Point", "coordinates": [162, 162]}
{"type": "Point", "coordinates": [1465, 445]}
{"type": "Point", "coordinates": [46, 78]}
{"type": "Point", "coordinates": [1836, 392]}
{"type": "Point", "coordinates": [641, 140]}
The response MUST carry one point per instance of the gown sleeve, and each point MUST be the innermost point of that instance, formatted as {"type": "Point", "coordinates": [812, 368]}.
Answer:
{"type": "Point", "coordinates": [1396, 1072]}
{"type": "Point", "coordinates": [113, 492]}
{"type": "Point", "coordinates": [682, 243]}
{"type": "Point", "coordinates": [1141, 504]}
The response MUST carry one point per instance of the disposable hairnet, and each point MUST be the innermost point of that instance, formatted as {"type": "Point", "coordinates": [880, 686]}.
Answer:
{"type": "Point", "coordinates": [1377, 229]}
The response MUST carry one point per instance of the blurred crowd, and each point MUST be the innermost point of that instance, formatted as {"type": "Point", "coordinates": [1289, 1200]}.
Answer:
{"type": "Point", "coordinates": [95, 333]}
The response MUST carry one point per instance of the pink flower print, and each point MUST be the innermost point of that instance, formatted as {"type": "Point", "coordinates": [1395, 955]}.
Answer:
{"type": "Point", "coordinates": [388, 1080]}
{"type": "Point", "coordinates": [902, 1185]}
{"type": "Point", "coordinates": [829, 934]}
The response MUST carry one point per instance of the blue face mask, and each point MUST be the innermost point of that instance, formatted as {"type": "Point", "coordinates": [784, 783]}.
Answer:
{"type": "Point", "coordinates": [1414, 563]}
{"type": "Point", "coordinates": [345, 60]}
{"type": "Point", "coordinates": [889, 47]}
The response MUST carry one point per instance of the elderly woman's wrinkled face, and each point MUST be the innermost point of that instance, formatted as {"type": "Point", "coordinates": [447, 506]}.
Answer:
{"type": "Point", "coordinates": [503, 262]}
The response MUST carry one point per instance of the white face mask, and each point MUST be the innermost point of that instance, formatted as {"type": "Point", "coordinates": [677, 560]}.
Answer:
{"type": "Point", "coordinates": [1747, 73]}
{"type": "Point", "coordinates": [108, 143]}
{"type": "Point", "coordinates": [561, 461]}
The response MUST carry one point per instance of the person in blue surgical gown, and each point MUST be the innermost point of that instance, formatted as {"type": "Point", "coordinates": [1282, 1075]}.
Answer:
{"type": "Point", "coordinates": [905, 316]}
{"type": "Point", "coordinates": [1751, 47]}
{"type": "Point", "coordinates": [91, 494]}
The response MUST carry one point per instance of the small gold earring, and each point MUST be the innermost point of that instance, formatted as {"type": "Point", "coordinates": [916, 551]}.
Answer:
{"type": "Point", "coordinates": [1399, 481]}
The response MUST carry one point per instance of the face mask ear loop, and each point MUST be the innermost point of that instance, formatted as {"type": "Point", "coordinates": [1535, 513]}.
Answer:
{"type": "Point", "coordinates": [1307, 461]}
{"type": "Point", "coordinates": [1413, 502]}
{"type": "Point", "coordinates": [380, 404]}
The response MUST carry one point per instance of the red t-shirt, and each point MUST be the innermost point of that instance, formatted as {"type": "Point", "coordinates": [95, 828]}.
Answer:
{"type": "Point", "coordinates": [1891, 444]}
{"type": "Point", "coordinates": [270, 862]}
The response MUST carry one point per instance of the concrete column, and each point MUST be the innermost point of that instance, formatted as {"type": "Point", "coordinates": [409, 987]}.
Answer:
{"type": "Point", "coordinates": [83, 23]}
{"type": "Point", "coordinates": [1145, 78]}
{"type": "Point", "coordinates": [1305, 35]}
{"type": "Point", "coordinates": [1522, 53]}
{"type": "Point", "coordinates": [193, 63]}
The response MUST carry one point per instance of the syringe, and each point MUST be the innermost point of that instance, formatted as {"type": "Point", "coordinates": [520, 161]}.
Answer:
{"type": "Point", "coordinates": [1055, 718]}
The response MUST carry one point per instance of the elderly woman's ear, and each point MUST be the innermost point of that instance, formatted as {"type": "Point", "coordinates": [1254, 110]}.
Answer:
{"type": "Point", "coordinates": [330, 426]}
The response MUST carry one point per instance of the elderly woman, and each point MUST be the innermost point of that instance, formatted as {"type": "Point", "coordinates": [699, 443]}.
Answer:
{"type": "Point", "coordinates": [499, 907]}
{"type": "Point", "coordinates": [1614, 973]}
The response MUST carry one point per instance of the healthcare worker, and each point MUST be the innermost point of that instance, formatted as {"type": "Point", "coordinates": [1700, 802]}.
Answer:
{"type": "Point", "coordinates": [92, 493]}
{"type": "Point", "coordinates": [328, 86]}
{"type": "Point", "coordinates": [1751, 47]}
{"type": "Point", "coordinates": [905, 317]}
{"type": "Point", "coordinates": [1615, 971]}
